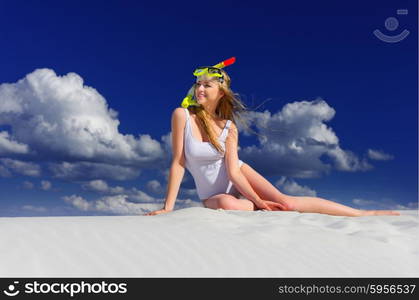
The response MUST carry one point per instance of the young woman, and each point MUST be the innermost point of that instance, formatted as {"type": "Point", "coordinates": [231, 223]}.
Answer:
{"type": "Point", "coordinates": [205, 140]}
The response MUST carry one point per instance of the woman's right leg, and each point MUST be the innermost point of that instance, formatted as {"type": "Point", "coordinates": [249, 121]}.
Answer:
{"type": "Point", "coordinates": [323, 206]}
{"type": "Point", "coordinates": [267, 191]}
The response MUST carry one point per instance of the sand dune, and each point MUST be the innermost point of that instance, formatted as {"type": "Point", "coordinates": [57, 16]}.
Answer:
{"type": "Point", "coordinates": [201, 242]}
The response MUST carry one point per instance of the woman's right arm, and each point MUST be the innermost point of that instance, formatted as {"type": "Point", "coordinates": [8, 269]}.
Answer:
{"type": "Point", "coordinates": [177, 168]}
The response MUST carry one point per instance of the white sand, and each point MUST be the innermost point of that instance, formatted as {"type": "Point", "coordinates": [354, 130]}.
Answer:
{"type": "Point", "coordinates": [201, 242]}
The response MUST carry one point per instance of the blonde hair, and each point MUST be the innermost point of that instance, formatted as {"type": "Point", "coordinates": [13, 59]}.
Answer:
{"type": "Point", "coordinates": [229, 107]}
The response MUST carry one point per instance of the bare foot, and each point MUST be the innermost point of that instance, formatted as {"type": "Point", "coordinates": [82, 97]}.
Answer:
{"type": "Point", "coordinates": [380, 213]}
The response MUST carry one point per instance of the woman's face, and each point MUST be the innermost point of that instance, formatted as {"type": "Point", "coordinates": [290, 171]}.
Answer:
{"type": "Point", "coordinates": [207, 92]}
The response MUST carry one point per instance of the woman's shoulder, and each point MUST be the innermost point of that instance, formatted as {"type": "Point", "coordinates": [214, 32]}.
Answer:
{"type": "Point", "coordinates": [179, 110]}
{"type": "Point", "coordinates": [178, 115]}
{"type": "Point", "coordinates": [182, 111]}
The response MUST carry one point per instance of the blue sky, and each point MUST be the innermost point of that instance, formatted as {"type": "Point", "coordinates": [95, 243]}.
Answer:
{"type": "Point", "coordinates": [87, 89]}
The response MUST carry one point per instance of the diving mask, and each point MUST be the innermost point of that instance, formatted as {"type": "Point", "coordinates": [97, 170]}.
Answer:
{"type": "Point", "coordinates": [210, 71]}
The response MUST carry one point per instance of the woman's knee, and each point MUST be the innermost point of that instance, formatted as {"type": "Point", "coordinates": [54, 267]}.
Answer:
{"type": "Point", "coordinates": [218, 201]}
{"type": "Point", "coordinates": [290, 203]}
{"type": "Point", "coordinates": [232, 203]}
{"type": "Point", "coordinates": [228, 202]}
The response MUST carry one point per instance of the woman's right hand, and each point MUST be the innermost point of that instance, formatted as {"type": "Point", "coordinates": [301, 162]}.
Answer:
{"type": "Point", "coordinates": [157, 212]}
{"type": "Point", "coordinates": [269, 205]}
{"type": "Point", "coordinates": [261, 204]}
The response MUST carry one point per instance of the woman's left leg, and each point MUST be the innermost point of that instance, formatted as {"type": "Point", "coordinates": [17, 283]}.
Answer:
{"type": "Point", "coordinates": [267, 191]}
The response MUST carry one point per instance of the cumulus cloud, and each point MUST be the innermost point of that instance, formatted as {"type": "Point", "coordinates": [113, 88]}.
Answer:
{"type": "Point", "coordinates": [4, 172]}
{"type": "Point", "coordinates": [34, 208]}
{"type": "Point", "coordinates": [46, 185]}
{"type": "Point", "coordinates": [154, 186]}
{"type": "Point", "coordinates": [187, 188]}
{"type": "Point", "coordinates": [90, 170]}
{"type": "Point", "coordinates": [96, 185]}
{"type": "Point", "coordinates": [290, 187]}
{"type": "Point", "coordinates": [102, 187]}
{"type": "Point", "coordinates": [379, 155]}
{"type": "Point", "coordinates": [21, 167]}
{"type": "Point", "coordinates": [78, 202]}
{"type": "Point", "coordinates": [189, 192]}
{"type": "Point", "coordinates": [296, 142]}
{"type": "Point", "coordinates": [61, 120]}
{"type": "Point", "coordinates": [135, 195]}
{"type": "Point", "coordinates": [187, 180]}
{"type": "Point", "coordinates": [167, 143]}
{"type": "Point", "coordinates": [28, 185]}
{"type": "Point", "coordinates": [120, 205]}
{"type": "Point", "coordinates": [386, 204]}
{"type": "Point", "coordinates": [8, 145]}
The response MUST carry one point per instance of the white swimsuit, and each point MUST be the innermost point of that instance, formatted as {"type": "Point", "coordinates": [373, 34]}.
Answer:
{"type": "Point", "coordinates": [207, 165]}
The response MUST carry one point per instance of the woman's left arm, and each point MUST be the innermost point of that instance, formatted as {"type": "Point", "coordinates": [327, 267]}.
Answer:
{"type": "Point", "coordinates": [233, 169]}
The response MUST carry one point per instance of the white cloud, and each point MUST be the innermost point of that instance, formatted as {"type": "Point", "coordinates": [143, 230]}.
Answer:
{"type": "Point", "coordinates": [116, 190]}
{"type": "Point", "coordinates": [90, 170]}
{"type": "Point", "coordinates": [96, 185]}
{"type": "Point", "coordinates": [59, 119]}
{"type": "Point", "coordinates": [21, 167]}
{"type": "Point", "coordinates": [102, 187]}
{"type": "Point", "coordinates": [379, 155]}
{"type": "Point", "coordinates": [34, 208]}
{"type": "Point", "coordinates": [46, 185]}
{"type": "Point", "coordinates": [290, 187]}
{"type": "Point", "coordinates": [28, 185]}
{"type": "Point", "coordinates": [154, 186]}
{"type": "Point", "coordinates": [187, 188]}
{"type": "Point", "coordinates": [363, 202]}
{"type": "Point", "coordinates": [189, 192]}
{"type": "Point", "coordinates": [386, 204]}
{"type": "Point", "coordinates": [167, 143]}
{"type": "Point", "coordinates": [4, 172]}
{"type": "Point", "coordinates": [348, 161]}
{"type": "Point", "coordinates": [135, 195]}
{"type": "Point", "coordinates": [295, 142]}
{"type": "Point", "coordinates": [119, 204]}
{"type": "Point", "coordinates": [8, 145]}
{"type": "Point", "coordinates": [78, 202]}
